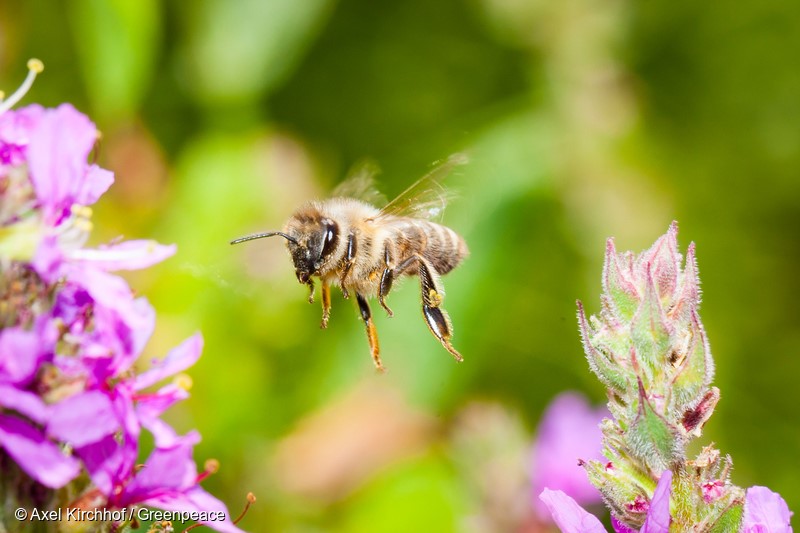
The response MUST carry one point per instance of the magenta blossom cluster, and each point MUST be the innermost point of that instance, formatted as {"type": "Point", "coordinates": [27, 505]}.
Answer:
{"type": "Point", "coordinates": [72, 406]}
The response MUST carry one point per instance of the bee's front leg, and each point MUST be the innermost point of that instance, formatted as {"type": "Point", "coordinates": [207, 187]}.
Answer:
{"type": "Point", "coordinates": [435, 316]}
{"type": "Point", "coordinates": [326, 303]}
{"type": "Point", "coordinates": [349, 258]}
{"type": "Point", "coordinates": [372, 333]}
{"type": "Point", "coordinates": [310, 284]}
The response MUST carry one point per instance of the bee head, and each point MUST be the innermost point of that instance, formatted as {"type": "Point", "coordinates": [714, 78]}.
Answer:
{"type": "Point", "coordinates": [310, 237]}
{"type": "Point", "coordinates": [314, 238]}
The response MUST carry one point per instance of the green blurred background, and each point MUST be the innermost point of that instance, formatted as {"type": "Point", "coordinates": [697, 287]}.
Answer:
{"type": "Point", "coordinates": [583, 120]}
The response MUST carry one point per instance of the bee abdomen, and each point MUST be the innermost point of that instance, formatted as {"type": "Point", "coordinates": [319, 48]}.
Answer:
{"type": "Point", "coordinates": [442, 247]}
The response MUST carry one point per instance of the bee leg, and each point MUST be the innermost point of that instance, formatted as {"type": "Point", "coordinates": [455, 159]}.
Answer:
{"type": "Point", "coordinates": [372, 333]}
{"type": "Point", "coordinates": [326, 304]}
{"type": "Point", "coordinates": [435, 316]}
{"type": "Point", "coordinates": [348, 263]}
{"type": "Point", "coordinates": [387, 278]}
{"type": "Point", "coordinates": [383, 289]}
{"type": "Point", "coordinates": [310, 291]}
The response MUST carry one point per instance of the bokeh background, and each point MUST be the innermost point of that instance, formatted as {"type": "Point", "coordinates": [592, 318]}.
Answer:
{"type": "Point", "coordinates": [583, 119]}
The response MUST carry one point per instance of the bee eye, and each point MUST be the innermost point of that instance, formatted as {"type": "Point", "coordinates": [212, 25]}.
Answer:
{"type": "Point", "coordinates": [330, 238]}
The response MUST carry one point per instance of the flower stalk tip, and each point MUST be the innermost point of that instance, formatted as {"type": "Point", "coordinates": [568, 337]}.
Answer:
{"type": "Point", "coordinates": [649, 348]}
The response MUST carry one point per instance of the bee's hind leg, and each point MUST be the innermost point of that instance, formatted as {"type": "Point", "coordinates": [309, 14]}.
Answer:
{"type": "Point", "coordinates": [435, 316]}
{"type": "Point", "coordinates": [372, 333]}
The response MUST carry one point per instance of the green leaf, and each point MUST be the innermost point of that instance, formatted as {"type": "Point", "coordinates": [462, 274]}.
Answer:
{"type": "Point", "coordinates": [651, 437]}
{"type": "Point", "coordinates": [696, 370]}
{"type": "Point", "coordinates": [649, 331]}
{"type": "Point", "coordinates": [117, 43]}
{"type": "Point", "coordinates": [610, 373]}
{"type": "Point", "coordinates": [238, 53]}
{"type": "Point", "coordinates": [618, 285]}
{"type": "Point", "coordinates": [730, 520]}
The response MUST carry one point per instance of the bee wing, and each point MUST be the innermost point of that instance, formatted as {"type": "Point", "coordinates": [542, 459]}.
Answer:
{"type": "Point", "coordinates": [360, 184]}
{"type": "Point", "coordinates": [427, 197]}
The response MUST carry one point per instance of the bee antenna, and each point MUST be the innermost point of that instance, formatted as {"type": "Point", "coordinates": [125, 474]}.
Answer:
{"type": "Point", "coordinates": [263, 235]}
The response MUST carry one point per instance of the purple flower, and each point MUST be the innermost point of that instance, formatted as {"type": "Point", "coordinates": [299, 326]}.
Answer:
{"type": "Point", "coordinates": [572, 518]}
{"type": "Point", "coordinates": [765, 512]}
{"type": "Point", "coordinates": [568, 433]}
{"type": "Point", "coordinates": [70, 331]}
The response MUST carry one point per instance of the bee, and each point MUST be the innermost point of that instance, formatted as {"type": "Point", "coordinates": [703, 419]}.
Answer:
{"type": "Point", "coordinates": [346, 241]}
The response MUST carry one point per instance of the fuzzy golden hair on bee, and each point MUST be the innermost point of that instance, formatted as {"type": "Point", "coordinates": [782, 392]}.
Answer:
{"type": "Point", "coordinates": [348, 242]}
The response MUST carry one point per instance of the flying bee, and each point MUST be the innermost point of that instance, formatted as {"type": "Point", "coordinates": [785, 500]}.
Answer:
{"type": "Point", "coordinates": [348, 242]}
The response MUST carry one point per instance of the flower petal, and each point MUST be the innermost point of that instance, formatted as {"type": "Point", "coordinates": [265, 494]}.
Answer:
{"type": "Point", "coordinates": [167, 470]}
{"type": "Point", "coordinates": [177, 360]}
{"type": "Point", "coordinates": [48, 259]}
{"type": "Point", "coordinates": [619, 527]}
{"type": "Point", "coordinates": [24, 402]}
{"type": "Point", "coordinates": [83, 419]}
{"type": "Point", "coordinates": [128, 255]}
{"type": "Point", "coordinates": [568, 515]}
{"type": "Point", "coordinates": [198, 500]}
{"type": "Point", "coordinates": [15, 130]}
{"type": "Point", "coordinates": [97, 182]}
{"type": "Point", "coordinates": [110, 461]}
{"type": "Point", "coordinates": [59, 146]}
{"type": "Point", "coordinates": [113, 293]}
{"type": "Point", "coordinates": [39, 457]}
{"type": "Point", "coordinates": [765, 512]}
{"type": "Point", "coordinates": [569, 431]}
{"type": "Point", "coordinates": [19, 355]}
{"type": "Point", "coordinates": [106, 461]}
{"type": "Point", "coordinates": [658, 515]}
{"type": "Point", "coordinates": [150, 407]}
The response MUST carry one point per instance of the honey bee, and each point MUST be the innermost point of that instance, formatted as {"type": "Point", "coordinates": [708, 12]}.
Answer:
{"type": "Point", "coordinates": [346, 241]}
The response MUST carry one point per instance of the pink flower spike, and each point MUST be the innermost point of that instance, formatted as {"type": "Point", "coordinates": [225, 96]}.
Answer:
{"type": "Point", "coordinates": [568, 515]}
{"type": "Point", "coordinates": [658, 515]}
{"type": "Point", "coordinates": [765, 512]}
